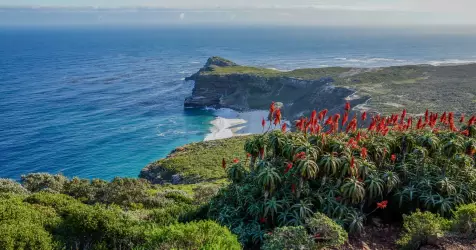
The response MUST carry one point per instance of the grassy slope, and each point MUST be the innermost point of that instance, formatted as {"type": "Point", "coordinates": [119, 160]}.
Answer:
{"type": "Point", "coordinates": [202, 161]}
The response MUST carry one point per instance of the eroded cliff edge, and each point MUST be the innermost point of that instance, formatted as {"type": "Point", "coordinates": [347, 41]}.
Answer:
{"type": "Point", "coordinates": [222, 83]}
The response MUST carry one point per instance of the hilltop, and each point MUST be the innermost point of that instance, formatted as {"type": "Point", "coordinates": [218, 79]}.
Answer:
{"type": "Point", "coordinates": [223, 83]}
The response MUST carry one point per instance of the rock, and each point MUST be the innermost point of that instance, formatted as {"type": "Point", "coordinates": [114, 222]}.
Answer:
{"type": "Point", "coordinates": [176, 179]}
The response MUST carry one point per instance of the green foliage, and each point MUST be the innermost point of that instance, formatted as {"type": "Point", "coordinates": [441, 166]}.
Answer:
{"type": "Point", "coordinates": [193, 235]}
{"type": "Point", "coordinates": [199, 162]}
{"type": "Point", "coordinates": [293, 175]}
{"type": "Point", "coordinates": [293, 238]}
{"type": "Point", "coordinates": [465, 220]}
{"type": "Point", "coordinates": [11, 186]}
{"type": "Point", "coordinates": [326, 232]}
{"type": "Point", "coordinates": [43, 182]}
{"type": "Point", "coordinates": [419, 227]}
{"type": "Point", "coordinates": [25, 226]}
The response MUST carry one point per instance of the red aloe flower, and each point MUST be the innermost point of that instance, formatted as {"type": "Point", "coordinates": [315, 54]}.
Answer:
{"type": "Point", "coordinates": [288, 167]}
{"type": "Point", "coordinates": [443, 118]}
{"type": "Point", "coordinates": [345, 118]}
{"type": "Point", "coordinates": [419, 124]}
{"type": "Point", "coordinates": [352, 162]}
{"type": "Point", "coordinates": [472, 121]}
{"type": "Point", "coordinates": [271, 108]}
{"type": "Point", "coordinates": [248, 155]}
{"type": "Point", "coordinates": [313, 115]}
{"type": "Point", "coordinates": [329, 121]}
{"type": "Point", "coordinates": [393, 158]}
{"type": "Point", "coordinates": [363, 153]}
{"type": "Point", "coordinates": [263, 123]}
{"type": "Point", "coordinates": [322, 114]}
{"type": "Point", "coordinates": [223, 163]}
{"type": "Point", "coordinates": [465, 132]}
{"type": "Point", "coordinates": [461, 119]}
{"type": "Point", "coordinates": [364, 116]}
{"type": "Point", "coordinates": [358, 137]}
{"type": "Point", "coordinates": [283, 127]}
{"type": "Point", "coordinates": [236, 160]}
{"type": "Point", "coordinates": [261, 152]}
{"type": "Point", "coordinates": [382, 205]}
{"type": "Point", "coordinates": [277, 118]}
{"type": "Point", "coordinates": [317, 236]}
{"type": "Point", "coordinates": [347, 106]}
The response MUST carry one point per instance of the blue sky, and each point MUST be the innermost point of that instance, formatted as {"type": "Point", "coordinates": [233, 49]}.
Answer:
{"type": "Point", "coordinates": [320, 12]}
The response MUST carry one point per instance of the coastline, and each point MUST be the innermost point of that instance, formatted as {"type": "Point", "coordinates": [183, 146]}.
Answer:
{"type": "Point", "coordinates": [229, 123]}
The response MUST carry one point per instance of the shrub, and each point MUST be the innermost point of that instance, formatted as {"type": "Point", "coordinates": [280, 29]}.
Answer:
{"type": "Point", "coordinates": [24, 235]}
{"type": "Point", "coordinates": [57, 201]}
{"type": "Point", "coordinates": [11, 186]}
{"type": "Point", "coordinates": [326, 232]}
{"type": "Point", "coordinates": [465, 220]}
{"type": "Point", "coordinates": [419, 227]}
{"type": "Point", "coordinates": [193, 235]}
{"type": "Point", "coordinates": [44, 182]}
{"type": "Point", "coordinates": [178, 196]}
{"type": "Point", "coordinates": [204, 193]}
{"type": "Point", "coordinates": [96, 226]}
{"type": "Point", "coordinates": [25, 226]}
{"type": "Point", "coordinates": [171, 214]}
{"type": "Point", "coordinates": [293, 238]}
{"type": "Point", "coordinates": [124, 191]}
{"type": "Point", "coordinates": [80, 189]}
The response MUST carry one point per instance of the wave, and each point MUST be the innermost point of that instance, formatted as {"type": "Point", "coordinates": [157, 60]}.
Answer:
{"type": "Point", "coordinates": [369, 60]}
{"type": "Point", "coordinates": [451, 62]}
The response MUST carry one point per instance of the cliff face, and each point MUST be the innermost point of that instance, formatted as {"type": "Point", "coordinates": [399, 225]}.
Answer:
{"type": "Point", "coordinates": [243, 88]}
{"type": "Point", "coordinates": [224, 84]}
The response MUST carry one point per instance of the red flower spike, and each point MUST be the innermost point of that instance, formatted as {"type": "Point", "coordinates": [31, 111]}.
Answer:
{"type": "Point", "coordinates": [472, 121]}
{"type": "Point", "coordinates": [443, 118]}
{"type": "Point", "coordinates": [393, 158]}
{"type": "Point", "coordinates": [277, 118]}
{"type": "Point", "coordinates": [382, 205]}
{"type": "Point", "coordinates": [364, 116]}
{"type": "Point", "coordinates": [465, 132]}
{"type": "Point", "coordinates": [271, 108]}
{"type": "Point", "coordinates": [461, 119]}
{"type": "Point", "coordinates": [352, 162]}
{"type": "Point", "coordinates": [288, 167]}
{"type": "Point", "coordinates": [223, 163]}
{"type": "Point", "coordinates": [363, 153]}
{"type": "Point", "coordinates": [263, 123]}
{"type": "Point", "coordinates": [248, 155]}
{"type": "Point", "coordinates": [347, 106]}
{"type": "Point", "coordinates": [236, 160]}
{"type": "Point", "coordinates": [322, 114]}
{"type": "Point", "coordinates": [345, 118]}
{"type": "Point", "coordinates": [261, 152]}
{"type": "Point", "coordinates": [329, 121]}
{"type": "Point", "coordinates": [283, 128]}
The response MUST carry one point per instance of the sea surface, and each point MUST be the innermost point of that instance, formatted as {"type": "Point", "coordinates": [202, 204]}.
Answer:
{"type": "Point", "coordinates": [104, 102]}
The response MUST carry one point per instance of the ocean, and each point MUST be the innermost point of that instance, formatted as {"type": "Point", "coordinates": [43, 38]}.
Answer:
{"type": "Point", "coordinates": [104, 102]}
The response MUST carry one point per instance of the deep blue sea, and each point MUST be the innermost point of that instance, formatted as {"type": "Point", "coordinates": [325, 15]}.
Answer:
{"type": "Point", "coordinates": [104, 102]}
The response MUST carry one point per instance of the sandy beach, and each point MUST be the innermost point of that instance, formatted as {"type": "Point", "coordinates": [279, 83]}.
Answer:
{"type": "Point", "coordinates": [230, 123]}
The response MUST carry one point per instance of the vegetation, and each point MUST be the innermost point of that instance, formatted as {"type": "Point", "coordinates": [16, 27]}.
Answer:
{"type": "Point", "coordinates": [349, 173]}
{"type": "Point", "coordinates": [199, 162]}
{"type": "Point", "coordinates": [58, 213]}
{"type": "Point", "coordinates": [308, 189]}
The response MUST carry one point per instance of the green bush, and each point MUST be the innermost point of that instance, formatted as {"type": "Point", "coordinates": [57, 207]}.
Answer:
{"type": "Point", "coordinates": [465, 220]}
{"type": "Point", "coordinates": [204, 193]}
{"type": "Point", "coordinates": [292, 238]}
{"type": "Point", "coordinates": [327, 233]}
{"type": "Point", "coordinates": [193, 235]}
{"type": "Point", "coordinates": [43, 182]}
{"type": "Point", "coordinates": [172, 214]}
{"type": "Point", "coordinates": [11, 186]}
{"type": "Point", "coordinates": [125, 191]}
{"type": "Point", "coordinates": [419, 227]}
{"type": "Point", "coordinates": [24, 235]}
{"type": "Point", "coordinates": [81, 189]}
{"type": "Point", "coordinates": [26, 226]}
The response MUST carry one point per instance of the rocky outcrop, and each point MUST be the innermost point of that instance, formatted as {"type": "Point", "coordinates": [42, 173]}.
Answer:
{"type": "Point", "coordinates": [224, 84]}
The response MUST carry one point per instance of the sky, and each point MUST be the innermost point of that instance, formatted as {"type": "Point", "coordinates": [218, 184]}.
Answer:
{"type": "Point", "coordinates": [311, 12]}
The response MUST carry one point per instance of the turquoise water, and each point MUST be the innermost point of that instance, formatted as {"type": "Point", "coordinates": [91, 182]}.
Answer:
{"type": "Point", "coordinates": [100, 103]}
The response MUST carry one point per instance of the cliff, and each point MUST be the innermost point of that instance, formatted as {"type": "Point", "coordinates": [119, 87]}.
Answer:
{"type": "Point", "coordinates": [222, 83]}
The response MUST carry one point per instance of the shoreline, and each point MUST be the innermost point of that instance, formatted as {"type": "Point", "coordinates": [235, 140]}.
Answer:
{"type": "Point", "coordinates": [229, 123]}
